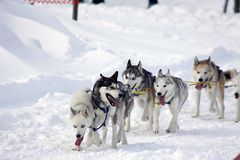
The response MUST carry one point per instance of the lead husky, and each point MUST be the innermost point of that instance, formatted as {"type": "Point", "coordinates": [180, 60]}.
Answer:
{"type": "Point", "coordinates": [236, 82]}
{"type": "Point", "coordinates": [172, 91]}
{"type": "Point", "coordinates": [82, 115]}
{"type": "Point", "coordinates": [212, 78]}
{"type": "Point", "coordinates": [141, 84]}
{"type": "Point", "coordinates": [106, 100]}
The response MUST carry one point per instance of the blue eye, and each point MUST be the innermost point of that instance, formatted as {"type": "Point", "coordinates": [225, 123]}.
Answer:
{"type": "Point", "coordinates": [74, 126]}
{"type": "Point", "coordinates": [164, 85]}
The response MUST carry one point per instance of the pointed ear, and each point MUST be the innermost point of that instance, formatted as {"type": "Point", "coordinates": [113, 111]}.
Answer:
{"type": "Point", "coordinates": [73, 111]}
{"type": "Point", "coordinates": [154, 79]}
{"type": "Point", "coordinates": [129, 64]}
{"type": "Point", "coordinates": [160, 73]}
{"type": "Point", "coordinates": [168, 72]}
{"type": "Point", "coordinates": [101, 75]}
{"type": "Point", "coordinates": [209, 59]}
{"type": "Point", "coordinates": [196, 61]}
{"type": "Point", "coordinates": [115, 76]}
{"type": "Point", "coordinates": [85, 112]}
{"type": "Point", "coordinates": [139, 66]}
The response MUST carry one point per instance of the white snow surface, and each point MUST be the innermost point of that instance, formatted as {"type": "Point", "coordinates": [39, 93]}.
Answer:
{"type": "Point", "coordinates": [45, 57]}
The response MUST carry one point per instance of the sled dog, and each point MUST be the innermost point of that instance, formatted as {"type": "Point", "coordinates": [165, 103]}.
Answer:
{"type": "Point", "coordinates": [107, 103]}
{"type": "Point", "coordinates": [172, 91]}
{"type": "Point", "coordinates": [141, 84]}
{"type": "Point", "coordinates": [81, 115]}
{"type": "Point", "coordinates": [209, 76]}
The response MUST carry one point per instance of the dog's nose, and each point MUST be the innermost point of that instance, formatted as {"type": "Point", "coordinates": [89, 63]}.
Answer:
{"type": "Point", "coordinates": [200, 80]}
{"type": "Point", "coordinates": [159, 93]}
{"type": "Point", "coordinates": [78, 136]}
{"type": "Point", "coordinates": [236, 95]}
{"type": "Point", "coordinates": [120, 95]}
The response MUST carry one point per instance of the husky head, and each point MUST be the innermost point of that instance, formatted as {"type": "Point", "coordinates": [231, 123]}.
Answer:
{"type": "Point", "coordinates": [236, 82]}
{"type": "Point", "coordinates": [133, 75]}
{"type": "Point", "coordinates": [107, 89]}
{"type": "Point", "coordinates": [202, 70]}
{"type": "Point", "coordinates": [81, 118]}
{"type": "Point", "coordinates": [164, 87]}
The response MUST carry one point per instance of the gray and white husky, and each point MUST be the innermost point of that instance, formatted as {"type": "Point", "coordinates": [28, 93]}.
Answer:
{"type": "Point", "coordinates": [172, 91]}
{"type": "Point", "coordinates": [107, 103]}
{"type": "Point", "coordinates": [236, 82]}
{"type": "Point", "coordinates": [141, 84]}
{"type": "Point", "coordinates": [209, 76]}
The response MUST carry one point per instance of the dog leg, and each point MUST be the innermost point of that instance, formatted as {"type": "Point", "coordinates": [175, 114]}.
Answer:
{"type": "Point", "coordinates": [145, 111]}
{"type": "Point", "coordinates": [121, 129]}
{"type": "Point", "coordinates": [89, 141]}
{"type": "Point", "coordinates": [114, 133]}
{"type": "Point", "coordinates": [174, 108]}
{"type": "Point", "coordinates": [211, 92]}
{"type": "Point", "coordinates": [216, 107]}
{"type": "Point", "coordinates": [197, 103]}
{"type": "Point", "coordinates": [150, 114]}
{"type": "Point", "coordinates": [156, 113]}
{"type": "Point", "coordinates": [127, 123]}
{"type": "Point", "coordinates": [124, 138]}
{"type": "Point", "coordinates": [220, 98]}
{"type": "Point", "coordinates": [238, 111]}
{"type": "Point", "coordinates": [104, 136]}
{"type": "Point", "coordinates": [97, 139]}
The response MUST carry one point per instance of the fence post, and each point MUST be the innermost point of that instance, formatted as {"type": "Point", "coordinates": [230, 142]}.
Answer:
{"type": "Point", "coordinates": [75, 10]}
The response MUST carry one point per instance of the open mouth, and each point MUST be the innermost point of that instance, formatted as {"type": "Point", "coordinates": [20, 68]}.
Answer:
{"type": "Point", "coordinates": [199, 86]}
{"type": "Point", "coordinates": [78, 141]}
{"type": "Point", "coordinates": [162, 99]}
{"type": "Point", "coordinates": [113, 101]}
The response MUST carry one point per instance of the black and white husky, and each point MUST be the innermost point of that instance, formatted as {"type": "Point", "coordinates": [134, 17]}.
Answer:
{"type": "Point", "coordinates": [141, 84]}
{"type": "Point", "coordinates": [107, 103]}
{"type": "Point", "coordinates": [172, 91]}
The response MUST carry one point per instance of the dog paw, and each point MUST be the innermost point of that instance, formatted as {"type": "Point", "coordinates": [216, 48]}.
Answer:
{"type": "Point", "coordinates": [195, 115]}
{"type": "Point", "coordinates": [156, 131]}
{"type": "Point", "coordinates": [220, 117]}
{"type": "Point", "coordinates": [99, 142]}
{"type": "Point", "coordinates": [145, 118]}
{"type": "Point", "coordinates": [212, 110]}
{"type": "Point", "coordinates": [76, 148]}
{"type": "Point", "coordinates": [168, 131]}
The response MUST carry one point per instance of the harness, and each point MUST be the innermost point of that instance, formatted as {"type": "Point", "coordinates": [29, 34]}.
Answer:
{"type": "Point", "coordinates": [105, 110]}
{"type": "Point", "coordinates": [141, 92]}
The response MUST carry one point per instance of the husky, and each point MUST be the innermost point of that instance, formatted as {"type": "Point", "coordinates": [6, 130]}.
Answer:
{"type": "Point", "coordinates": [209, 76]}
{"type": "Point", "coordinates": [236, 82]}
{"type": "Point", "coordinates": [106, 101]}
{"type": "Point", "coordinates": [141, 84]}
{"type": "Point", "coordinates": [82, 115]}
{"type": "Point", "coordinates": [172, 91]}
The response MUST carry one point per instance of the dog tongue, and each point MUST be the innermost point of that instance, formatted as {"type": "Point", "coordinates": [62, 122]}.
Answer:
{"type": "Point", "coordinates": [78, 141]}
{"type": "Point", "coordinates": [162, 100]}
{"type": "Point", "coordinates": [199, 86]}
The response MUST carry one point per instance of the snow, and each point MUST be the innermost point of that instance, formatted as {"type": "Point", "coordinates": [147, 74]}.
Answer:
{"type": "Point", "coordinates": [45, 57]}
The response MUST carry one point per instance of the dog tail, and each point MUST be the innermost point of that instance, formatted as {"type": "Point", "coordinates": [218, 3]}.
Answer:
{"type": "Point", "coordinates": [230, 74]}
